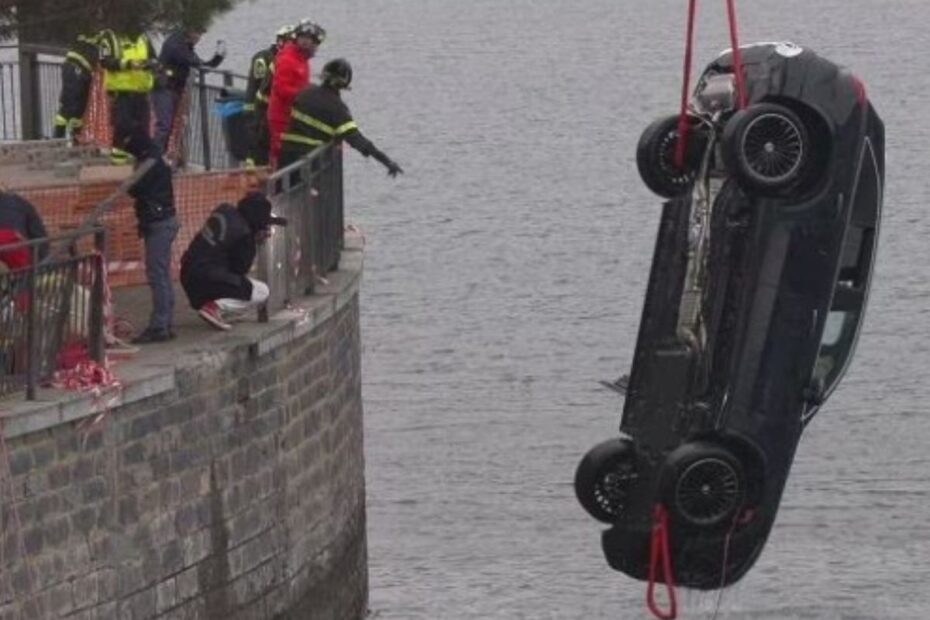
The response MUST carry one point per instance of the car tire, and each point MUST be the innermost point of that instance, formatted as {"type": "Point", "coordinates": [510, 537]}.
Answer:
{"type": "Point", "coordinates": [604, 478]}
{"type": "Point", "coordinates": [703, 485]}
{"type": "Point", "coordinates": [766, 146]}
{"type": "Point", "coordinates": [655, 157]}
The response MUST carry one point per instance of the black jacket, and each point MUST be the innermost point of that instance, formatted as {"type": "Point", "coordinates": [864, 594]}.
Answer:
{"type": "Point", "coordinates": [260, 71]}
{"type": "Point", "coordinates": [177, 57]}
{"type": "Point", "coordinates": [216, 262]}
{"type": "Point", "coordinates": [18, 214]}
{"type": "Point", "coordinates": [84, 52]}
{"type": "Point", "coordinates": [110, 48]}
{"type": "Point", "coordinates": [325, 107]}
{"type": "Point", "coordinates": [154, 192]}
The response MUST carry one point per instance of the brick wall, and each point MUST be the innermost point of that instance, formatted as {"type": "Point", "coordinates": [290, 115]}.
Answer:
{"type": "Point", "coordinates": [238, 493]}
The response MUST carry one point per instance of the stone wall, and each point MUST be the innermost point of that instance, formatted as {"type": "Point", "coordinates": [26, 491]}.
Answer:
{"type": "Point", "coordinates": [232, 486]}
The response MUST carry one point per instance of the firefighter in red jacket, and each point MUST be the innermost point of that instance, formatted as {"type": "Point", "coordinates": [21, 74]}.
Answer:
{"type": "Point", "coordinates": [291, 75]}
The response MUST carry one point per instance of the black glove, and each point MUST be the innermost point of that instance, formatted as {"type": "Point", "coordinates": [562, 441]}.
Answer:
{"type": "Point", "coordinates": [393, 168]}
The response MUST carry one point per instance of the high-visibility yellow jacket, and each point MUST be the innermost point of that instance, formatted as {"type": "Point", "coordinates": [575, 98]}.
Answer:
{"type": "Point", "coordinates": [117, 52]}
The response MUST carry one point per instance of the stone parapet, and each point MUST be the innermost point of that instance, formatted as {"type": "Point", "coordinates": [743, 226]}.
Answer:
{"type": "Point", "coordinates": [224, 480]}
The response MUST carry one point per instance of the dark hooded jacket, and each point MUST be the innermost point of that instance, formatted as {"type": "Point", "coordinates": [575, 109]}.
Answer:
{"type": "Point", "coordinates": [219, 257]}
{"type": "Point", "coordinates": [19, 220]}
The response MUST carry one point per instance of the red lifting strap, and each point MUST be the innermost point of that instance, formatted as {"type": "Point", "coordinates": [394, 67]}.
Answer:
{"type": "Point", "coordinates": [659, 551]}
{"type": "Point", "coordinates": [682, 143]}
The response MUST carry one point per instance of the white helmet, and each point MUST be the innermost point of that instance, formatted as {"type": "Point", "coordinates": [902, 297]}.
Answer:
{"type": "Point", "coordinates": [286, 32]}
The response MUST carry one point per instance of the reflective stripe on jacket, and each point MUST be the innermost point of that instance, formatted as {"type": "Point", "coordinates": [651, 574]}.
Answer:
{"type": "Point", "coordinates": [260, 71]}
{"type": "Point", "coordinates": [319, 116]}
{"type": "Point", "coordinates": [84, 52]}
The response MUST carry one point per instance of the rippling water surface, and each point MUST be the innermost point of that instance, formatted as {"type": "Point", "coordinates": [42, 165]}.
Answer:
{"type": "Point", "coordinates": [505, 274]}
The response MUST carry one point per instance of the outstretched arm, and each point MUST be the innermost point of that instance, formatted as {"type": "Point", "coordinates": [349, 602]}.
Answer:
{"type": "Point", "coordinates": [366, 147]}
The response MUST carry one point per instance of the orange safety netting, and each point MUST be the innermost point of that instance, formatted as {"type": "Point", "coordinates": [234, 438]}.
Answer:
{"type": "Point", "coordinates": [99, 131]}
{"type": "Point", "coordinates": [64, 208]}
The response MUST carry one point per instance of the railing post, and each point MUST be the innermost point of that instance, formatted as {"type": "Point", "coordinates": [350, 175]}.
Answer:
{"type": "Point", "coordinates": [204, 119]}
{"type": "Point", "coordinates": [30, 115]}
{"type": "Point", "coordinates": [95, 333]}
{"type": "Point", "coordinates": [338, 199]}
{"type": "Point", "coordinates": [32, 337]}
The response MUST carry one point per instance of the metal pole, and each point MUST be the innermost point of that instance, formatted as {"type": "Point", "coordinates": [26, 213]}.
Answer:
{"type": "Point", "coordinates": [29, 94]}
{"type": "Point", "coordinates": [340, 212]}
{"type": "Point", "coordinates": [95, 333]}
{"type": "Point", "coordinates": [32, 339]}
{"type": "Point", "coordinates": [204, 119]}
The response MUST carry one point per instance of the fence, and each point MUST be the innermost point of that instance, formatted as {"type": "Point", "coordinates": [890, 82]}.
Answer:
{"type": "Point", "coordinates": [309, 194]}
{"type": "Point", "coordinates": [50, 309]}
{"type": "Point", "coordinates": [30, 87]}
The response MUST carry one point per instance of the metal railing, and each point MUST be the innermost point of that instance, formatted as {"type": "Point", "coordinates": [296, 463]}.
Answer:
{"type": "Point", "coordinates": [31, 85]}
{"type": "Point", "coordinates": [309, 194]}
{"type": "Point", "coordinates": [50, 309]}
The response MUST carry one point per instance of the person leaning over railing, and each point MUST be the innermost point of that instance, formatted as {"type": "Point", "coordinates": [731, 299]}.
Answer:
{"type": "Point", "coordinates": [77, 75]}
{"type": "Point", "coordinates": [176, 59]}
{"type": "Point", "coordinates": [319, 116]}
{"type": "Point", "coordinates": [128, 60]}
{"type": "Point", "coordinates": [215, 265]}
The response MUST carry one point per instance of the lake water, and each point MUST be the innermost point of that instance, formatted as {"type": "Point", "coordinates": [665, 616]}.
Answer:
{"type": "Point", "coordinates": [505, 274]}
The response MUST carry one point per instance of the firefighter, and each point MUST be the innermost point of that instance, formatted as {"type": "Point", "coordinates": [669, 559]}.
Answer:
{"type": "Point", "coordinates": [176, 59]}
{"type": "Point", "coordinates": [128, 60]}
{"type": "Point", "coordinates": [319, 116]}
{"type": "Point", "coordinates": [261, 69]}
{"type": "Point", "coordinates": [77, 72]}
{"type": "Point", "coordinates": [291, 75]}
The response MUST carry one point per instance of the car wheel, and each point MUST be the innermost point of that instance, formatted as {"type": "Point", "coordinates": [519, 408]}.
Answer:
{"type": "Point", "coordinates": [704, 484]}
{"type": "Point", "coordinates": [766, 147]}
{"type": "Point", "coordinates": [655, 158]}
{"type": "Point", "coordinates": [604, 478]}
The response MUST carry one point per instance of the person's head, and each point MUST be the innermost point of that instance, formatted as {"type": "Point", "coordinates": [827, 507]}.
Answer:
{"type": "Point", "coordinates": [255, 208]}
{"type": "Point", "coordinates": [337, 74]}
{"type": "Point", "coordinates": [309, 36]}
{"type": "Point", "coordinates": [193, 35]}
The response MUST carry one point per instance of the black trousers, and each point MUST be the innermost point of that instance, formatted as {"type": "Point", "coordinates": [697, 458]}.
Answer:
{"type": "Point", "coordinates": [260, 142]}
{"type": "Point", "coordinates": [75, 88]}
{"type": "Point", "coordinates": [129, 112]}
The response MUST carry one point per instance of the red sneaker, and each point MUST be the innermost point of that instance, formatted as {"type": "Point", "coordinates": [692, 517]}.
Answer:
{"type": "Point", "coordinates": [211, 313]}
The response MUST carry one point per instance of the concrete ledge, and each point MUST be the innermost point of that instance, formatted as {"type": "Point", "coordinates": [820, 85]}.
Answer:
{"type": "Point", "coordinates": [147, 375]}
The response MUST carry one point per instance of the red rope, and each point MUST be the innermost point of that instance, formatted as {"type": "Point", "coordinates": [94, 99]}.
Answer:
{"type": "Point", "coordinates": [681, 144]}
{"type": "Point", "coordinates": [659, 551]}
{"type": "Point", "coordinates": [737, 59]}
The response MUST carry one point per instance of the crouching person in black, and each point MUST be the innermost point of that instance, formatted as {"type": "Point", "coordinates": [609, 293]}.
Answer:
{"type": "Point", "coordinates": [214, 267]}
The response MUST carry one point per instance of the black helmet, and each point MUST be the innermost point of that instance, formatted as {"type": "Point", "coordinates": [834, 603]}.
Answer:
{"type": "Point", "coordinates": [337, 73]}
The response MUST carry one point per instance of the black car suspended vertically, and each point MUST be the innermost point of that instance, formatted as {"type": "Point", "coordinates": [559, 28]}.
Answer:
{"type": "Point", "coordinates": [756, 296]}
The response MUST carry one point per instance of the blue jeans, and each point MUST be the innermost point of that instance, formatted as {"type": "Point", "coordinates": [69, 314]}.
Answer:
{"type": "Point", "coordinates": [165, 104]}
{"type": "Point", "coordinates": [158, 238]}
